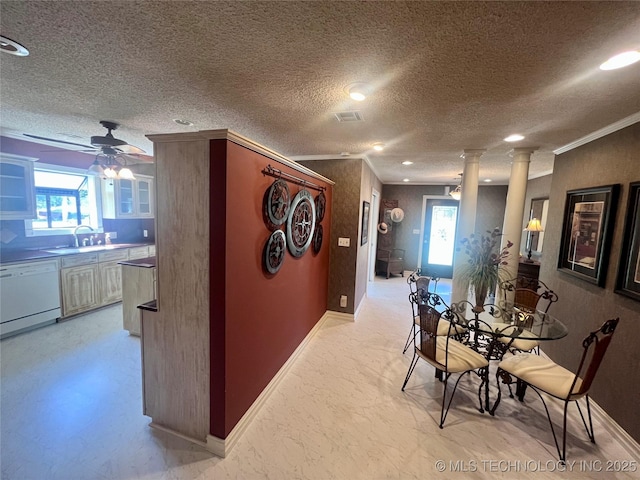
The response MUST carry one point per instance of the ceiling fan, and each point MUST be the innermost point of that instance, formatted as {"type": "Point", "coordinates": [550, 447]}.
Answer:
{"type": "Point", "coordinates": [111, 152]}
{"type": "Point", "coordinates": [107, 143]}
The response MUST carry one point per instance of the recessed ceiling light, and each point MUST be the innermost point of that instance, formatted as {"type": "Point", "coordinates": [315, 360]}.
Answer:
{"type": "Point", "coordinates": [344, 154]}
{"type": "Point", "coordinates": [181, 121]}
{"type": "Point", "coordinates": [12, 47]}
{"type": "Point", "coordinates": [514, 138]}
{"type": "Point", "coordinates": [488, 180]}
{"type": "Point", "coordinates": [407, 162]}
{"type": "Point", "coordinates": [378, 146]}
{"type": "Point", "coordinates": [405, 180]}
{"type": "Point", "coordinates": [358, 91]}
{"type": "Point", "coordinates": [621, 60]}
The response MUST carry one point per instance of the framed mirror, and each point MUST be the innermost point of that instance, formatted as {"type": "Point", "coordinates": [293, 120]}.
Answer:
{"type": "Point", "coordinates": [539, 210]}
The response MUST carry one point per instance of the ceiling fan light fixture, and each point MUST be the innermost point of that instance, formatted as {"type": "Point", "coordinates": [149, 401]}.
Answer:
{"type": "Point", "coordinates": [621, 60]}
{"type": "Point", "coordinates": [126, 174]}
{"type": "Point", "coordinates": [516, 137]}
{"type": "Point", "coordinates": [110, 172]}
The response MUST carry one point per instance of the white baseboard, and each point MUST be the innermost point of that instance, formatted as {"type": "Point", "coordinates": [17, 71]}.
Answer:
{"type": "Point", "coordinates": [357, 312]}
{"type": "Point", "coordinates": [222, 446]}
{"type": "Point", "coordinates": [348, 317]}
{"type": "Point", "coordinates": [616, 431]}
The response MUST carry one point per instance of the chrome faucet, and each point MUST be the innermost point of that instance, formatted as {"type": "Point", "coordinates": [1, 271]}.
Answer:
{"type": "Point", "coordinates": [75, 234]}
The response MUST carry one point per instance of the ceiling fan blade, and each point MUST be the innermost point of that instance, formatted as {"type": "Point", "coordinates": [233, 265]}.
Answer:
{"type": "Point", "coordinates": [130, 149]}
{"type": "Point", "coordinates": [56, 141]}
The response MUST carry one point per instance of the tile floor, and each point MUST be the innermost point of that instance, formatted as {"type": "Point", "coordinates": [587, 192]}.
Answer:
{"type": "Point", "coordinates": [71, 409]}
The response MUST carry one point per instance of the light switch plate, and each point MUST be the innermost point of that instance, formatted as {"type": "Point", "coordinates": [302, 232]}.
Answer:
{"type": "Point", "coordinates": [344, 242]}
{"type": "Point", "coordinates": [416, 231]}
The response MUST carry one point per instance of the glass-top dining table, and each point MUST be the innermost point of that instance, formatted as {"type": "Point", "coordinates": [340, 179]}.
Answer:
{"type": "Point", "coordinates": [498, 329]}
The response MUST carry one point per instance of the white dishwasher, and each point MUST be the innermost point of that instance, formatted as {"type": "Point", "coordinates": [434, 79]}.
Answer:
{"type": "Point", "coordinates": [30, 296]}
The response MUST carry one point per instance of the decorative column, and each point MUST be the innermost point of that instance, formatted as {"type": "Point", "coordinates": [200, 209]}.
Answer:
{"type": "Point", "coordinates": [513, 219]}
{"type": "Point", "coordinates": [466, 214]}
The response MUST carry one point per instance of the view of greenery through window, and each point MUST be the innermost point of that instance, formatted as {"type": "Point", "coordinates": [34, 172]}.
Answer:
{"type": "Point", "coordinates": [63, 201]}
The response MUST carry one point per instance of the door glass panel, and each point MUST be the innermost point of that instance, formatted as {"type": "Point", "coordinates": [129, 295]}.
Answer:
{"type": "Point", "coordinates": [443, 232]}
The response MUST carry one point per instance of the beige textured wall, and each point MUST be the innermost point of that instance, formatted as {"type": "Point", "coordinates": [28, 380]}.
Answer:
{"type": "Point", "coordinates": [345, 222]}
{"type": "Point", "coordinates": [582, 305]}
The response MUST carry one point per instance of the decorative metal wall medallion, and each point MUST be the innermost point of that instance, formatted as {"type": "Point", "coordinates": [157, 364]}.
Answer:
{"type": "Point", "coordinates": [274, 251]}
{"type": "Point", "coordinates": [277, 203]}
{"type": "Point", "coordinates": [301, 223]}
{"type": "Point", "coordinates": [317, 239]}
{"type": "Point", "coordinates": [321, 205]}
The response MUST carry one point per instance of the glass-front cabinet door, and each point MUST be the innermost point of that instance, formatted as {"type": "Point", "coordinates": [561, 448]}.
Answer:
{"type": "Point", "coordinates": [17, 193]}
{"type": "Point", "coordinates": [125, 198]}
{"type": "Point", "coordinates": [144, 196]}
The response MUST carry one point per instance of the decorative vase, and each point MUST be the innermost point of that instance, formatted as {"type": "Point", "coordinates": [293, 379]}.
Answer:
{"type": "Point", "coordinates": [481, 295]}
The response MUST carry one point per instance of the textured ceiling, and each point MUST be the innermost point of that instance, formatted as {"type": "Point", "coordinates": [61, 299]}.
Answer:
{"type": "Point", "coordinates": [446, 76]}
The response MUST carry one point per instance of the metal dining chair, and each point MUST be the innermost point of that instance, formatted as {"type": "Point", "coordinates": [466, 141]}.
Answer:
{"type": "Point", "coordinates": [529, 296]}
{"type": "Point", "coordinates": [419, 288]}
{"type": "Point", "coordinates": [446, 354]}
{"type": "Point", "coordinates": [544, 375]}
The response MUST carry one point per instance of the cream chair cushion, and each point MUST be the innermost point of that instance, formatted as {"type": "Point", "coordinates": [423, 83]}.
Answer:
{"type": "Point", "coordinates": [543, 374]}
{"type": "Point", "coordinates": [460, 357]}
{"type": "Point", "coordinates": [519, 343]}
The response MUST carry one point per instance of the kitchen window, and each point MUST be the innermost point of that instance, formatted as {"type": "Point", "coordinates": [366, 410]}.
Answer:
{"type": "Point", "coordinates": [65, 198]}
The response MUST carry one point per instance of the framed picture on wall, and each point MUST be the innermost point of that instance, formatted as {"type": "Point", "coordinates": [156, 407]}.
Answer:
{"type": "Point", "coordinates": [628, 282]}
{"type": "Point", "coordinates": [364, 238]}
{"type": "Point", "coordinates": [586, 232]}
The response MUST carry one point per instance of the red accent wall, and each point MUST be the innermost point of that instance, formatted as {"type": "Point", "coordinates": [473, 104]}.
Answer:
{"type": "Point", "coordinates": [262, 318]}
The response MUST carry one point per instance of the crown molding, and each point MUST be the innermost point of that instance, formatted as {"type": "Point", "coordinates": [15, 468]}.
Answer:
{"type": "Point", "coordinates": [614, 127]}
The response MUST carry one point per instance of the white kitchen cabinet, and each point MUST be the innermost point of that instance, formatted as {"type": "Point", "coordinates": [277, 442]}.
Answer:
{"type": "Point", "coordinates": [110, 282]}
{"type": "Point", "coordinates": [111, 275]}
{"type": "Point", "coordinates": [123, 198]}
{"type": "Point", "coordinates": [139, 285]}
{"type": "Point", "coordinates": [80, 289]}
{"type": "Point", "coordinates": [17, 191]}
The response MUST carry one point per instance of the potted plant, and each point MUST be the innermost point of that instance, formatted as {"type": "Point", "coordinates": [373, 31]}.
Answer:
{"type": "Point", "coordinates": [482, 270]}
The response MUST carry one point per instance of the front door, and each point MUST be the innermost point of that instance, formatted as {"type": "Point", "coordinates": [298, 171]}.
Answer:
{"type": "Point", "coordinates": [439, 238]}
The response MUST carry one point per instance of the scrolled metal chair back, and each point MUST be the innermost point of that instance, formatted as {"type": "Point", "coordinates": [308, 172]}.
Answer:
{"type": "Point", "coordinates": [595, 346]}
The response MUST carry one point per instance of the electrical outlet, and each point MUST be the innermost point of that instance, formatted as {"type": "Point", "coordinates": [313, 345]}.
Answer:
{"type": "Point", "coordinates": [113, 235]}
{"type": "Point", "coordinates": [343, 300]}
{"type": "Point", "coordinates": [416, 231]}
{"type": "Point", "coordinates": [344, 242]}
{"type": "Point", "coordinates": [145, 233]}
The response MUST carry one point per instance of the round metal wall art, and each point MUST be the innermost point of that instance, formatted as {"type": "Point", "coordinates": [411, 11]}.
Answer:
{"type": "Point", "coordinates": [317, 239]}
{"type": "Point", "coordinates": [274, 251]}
{"type": "Point", "coordinates": [301, 223]}
{"type": "Point", "coordinates": [277, 203]}
{"type": "Point", "coordinates": [321, 205]}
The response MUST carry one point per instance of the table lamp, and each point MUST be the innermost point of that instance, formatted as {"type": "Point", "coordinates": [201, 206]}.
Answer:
{"type": "Point", "coordinates": [533, 226]}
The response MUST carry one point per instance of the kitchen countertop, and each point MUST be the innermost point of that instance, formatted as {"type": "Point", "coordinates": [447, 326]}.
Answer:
{"type": "Point", "coordinates": [14, 255]}
{"type": "Point", "coordinates": [149, 262]}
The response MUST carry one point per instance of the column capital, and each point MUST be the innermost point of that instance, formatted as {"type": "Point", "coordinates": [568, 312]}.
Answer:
{"type": "Point", "coordinates": [472, 153]}
{"type": "Point", "coordinates": [520, 151]}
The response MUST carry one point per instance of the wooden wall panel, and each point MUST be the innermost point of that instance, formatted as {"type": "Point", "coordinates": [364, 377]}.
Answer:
{"type": "Point", "coordinates": [182, 330]}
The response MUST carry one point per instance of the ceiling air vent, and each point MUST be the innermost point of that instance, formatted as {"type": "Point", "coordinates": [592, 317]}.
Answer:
{"type": "Point", "coordinates": [352, 116]}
